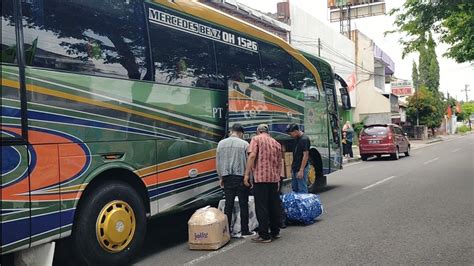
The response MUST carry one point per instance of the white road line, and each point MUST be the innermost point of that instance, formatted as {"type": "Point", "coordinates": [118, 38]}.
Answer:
{"type": "Point", "coordinates": [379, 182]}
{"type": "Point", "coordinates": [430, 161]}
{"type": "Point", "coordinates": [455, 150]}
{"type": "Point", "coordinates": [215, 253]}
{"type": "Point", "coordinates": [367, 167]}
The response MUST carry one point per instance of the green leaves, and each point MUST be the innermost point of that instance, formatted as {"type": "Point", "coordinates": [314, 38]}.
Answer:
{"type": "Point", "coordinates": [428, 72]}
{"type": "Point", "coordinates": [415, 76]}
{"type": "Point", "coordinates": [426, 107]}
{"type": "Point", "coordinates": [452, 20]}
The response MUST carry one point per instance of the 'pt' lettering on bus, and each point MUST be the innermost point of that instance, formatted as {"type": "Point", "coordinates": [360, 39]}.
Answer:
{"type": "Point", "coordinates": [217, 112]}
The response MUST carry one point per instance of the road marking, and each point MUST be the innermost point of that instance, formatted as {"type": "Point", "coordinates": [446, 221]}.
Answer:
{"type": "Point", "coordinates": [455, 150]}
{"type": "Point", "coordinates": [367, 167]}
{"type": "Point", "coordinates": [430, 161]}
{"type": "Point", "coordinates": [215, 253]}
{"type": "Point", "coordinates": [379, 182]}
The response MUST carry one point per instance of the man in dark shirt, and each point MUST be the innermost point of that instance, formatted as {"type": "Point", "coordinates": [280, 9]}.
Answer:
{"type": "Point", "coordinates": [300, 165]}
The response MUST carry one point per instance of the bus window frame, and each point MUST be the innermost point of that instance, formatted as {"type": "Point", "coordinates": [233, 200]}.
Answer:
{"type": "Point", "coordinates": [20, 55]}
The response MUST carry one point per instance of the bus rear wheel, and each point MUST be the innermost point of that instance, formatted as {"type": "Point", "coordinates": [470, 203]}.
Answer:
{"type": "Point", "coordinates": [316, 179]}
{"type": "Point", "coordinates": [110, 225]}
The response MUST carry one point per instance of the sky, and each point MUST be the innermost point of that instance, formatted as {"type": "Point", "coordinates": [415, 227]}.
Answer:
{"type": "Point", "coordinates": [453, 76]}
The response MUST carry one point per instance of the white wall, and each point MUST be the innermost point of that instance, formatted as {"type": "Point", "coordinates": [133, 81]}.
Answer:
{"type": "Point", "coordinates": [336, 49]}
{"type": "Point", "coordinates": [379, 78]}
{"type": "Point", "coordinates": [371, 103]}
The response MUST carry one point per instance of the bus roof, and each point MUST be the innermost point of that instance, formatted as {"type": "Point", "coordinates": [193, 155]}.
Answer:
{"type": "Point", "coordinates": [215, 16]}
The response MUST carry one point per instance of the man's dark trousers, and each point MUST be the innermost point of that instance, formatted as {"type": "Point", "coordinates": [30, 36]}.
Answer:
{"type": "Point", "coordinates": [234, 186]}
{"type": "Point", "coordinates": [268, 208]}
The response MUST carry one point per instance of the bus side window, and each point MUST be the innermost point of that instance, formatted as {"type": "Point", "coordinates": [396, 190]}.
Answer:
{"type": "Point", "coordinates": [275, 66]}
{"type": "Point", "coordinates": [237, 64]}
{"type": "Point", "coordinates": [87, 37]}
{"type": "Point", "coordinates": [181, 58]}
{"type": "Point", "coordinates": [281, 70]}
{"type": "Point", "coordinates": [10, 93]}
{"type": "Point", "coordinates": [8, 45]}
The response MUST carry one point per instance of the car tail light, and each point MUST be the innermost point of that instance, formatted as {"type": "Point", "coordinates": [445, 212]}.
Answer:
{"type": "Point", "coordinates": [390, 136]}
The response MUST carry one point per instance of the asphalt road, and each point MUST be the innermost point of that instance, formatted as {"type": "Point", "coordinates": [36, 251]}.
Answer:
{"type": "Point", "coordinates": [417, 210]}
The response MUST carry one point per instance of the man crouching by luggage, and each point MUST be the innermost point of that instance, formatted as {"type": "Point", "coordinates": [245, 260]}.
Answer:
{"type": "Point", "coordinates": [265, 162]}
{"type": "Point", "coordinates": [231, 161]}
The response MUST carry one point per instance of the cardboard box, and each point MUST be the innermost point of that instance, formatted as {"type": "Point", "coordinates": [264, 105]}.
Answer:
{"type": "Point", "coordinates": [288, 171]}
{"type": "Point", "coordinates": [283, 172]}
{"type": "Point", "coordinates": [288, 162]}
{"type": "Point", "coordinates": [208, 229]}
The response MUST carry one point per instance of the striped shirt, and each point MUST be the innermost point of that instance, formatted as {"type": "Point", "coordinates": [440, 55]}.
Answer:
{"type": "Point", "coordinates": [267, 167]}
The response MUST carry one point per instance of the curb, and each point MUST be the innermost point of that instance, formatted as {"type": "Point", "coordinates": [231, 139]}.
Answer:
{"type": "Point", "coordinates": [434, 140]}
{"type": "Point", "coordinates": [351, 160]}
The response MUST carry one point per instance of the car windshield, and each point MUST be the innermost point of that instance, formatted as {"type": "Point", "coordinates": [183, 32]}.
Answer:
{"type": "Point", "coordinates": [376, 130]}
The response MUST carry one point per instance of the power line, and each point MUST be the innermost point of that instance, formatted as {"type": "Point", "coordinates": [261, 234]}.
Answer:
{"type": "Point", "coordinates": [332, 51]}
{"type": "Point", "coordinates": [347, 60]}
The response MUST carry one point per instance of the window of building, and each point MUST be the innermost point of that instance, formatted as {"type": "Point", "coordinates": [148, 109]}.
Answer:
{"type": "Point", "coordinates": [182, 58]}
{"type": "Point", "coordinates": [87, 36]}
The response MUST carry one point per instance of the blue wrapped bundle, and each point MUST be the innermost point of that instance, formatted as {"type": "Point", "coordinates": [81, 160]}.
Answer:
{"type": "Point", "coordinates": [301, 207]}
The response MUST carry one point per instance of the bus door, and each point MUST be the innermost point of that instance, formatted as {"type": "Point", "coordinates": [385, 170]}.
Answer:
{"type": "Point", "coordinates": [15, 154]}
{"type": "Point", "coordinates": [334, 125]}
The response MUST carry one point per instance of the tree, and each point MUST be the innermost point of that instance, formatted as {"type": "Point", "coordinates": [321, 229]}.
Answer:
{"type": "Point", "coordinates": [451, 102]}
{"type": "Point", "coordinates": [428, 66]}
{"type": "Point", "coordinates": [414, 76]}
{"type": "Point", "coordinates": [433, 70]}
{"type": "Point", "coordinates": [426, 107]}
{"type": "Point", "coordinates": [452, 20]}
{"type": "Point", "coordinates": [467, 109]}
{"type": "Point", "coordinates": [423, 66]}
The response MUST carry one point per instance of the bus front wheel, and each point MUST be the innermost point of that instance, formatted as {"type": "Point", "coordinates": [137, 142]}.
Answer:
{"type": "Point", "coordinates": [110, 225]}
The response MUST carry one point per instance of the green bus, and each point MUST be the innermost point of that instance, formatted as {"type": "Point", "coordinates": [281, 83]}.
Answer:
{"type": "Point", "coordinates": [112, 111]}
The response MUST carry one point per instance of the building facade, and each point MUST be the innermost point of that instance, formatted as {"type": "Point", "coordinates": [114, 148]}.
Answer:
{"type": "Point", "coordinates": [374, 68]}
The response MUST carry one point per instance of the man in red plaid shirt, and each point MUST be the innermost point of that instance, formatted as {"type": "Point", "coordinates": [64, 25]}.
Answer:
{"type": "Point", "coordinates": [265, 163]}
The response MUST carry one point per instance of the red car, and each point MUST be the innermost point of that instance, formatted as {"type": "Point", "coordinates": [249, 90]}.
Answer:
{"type": "Point", "coordinates": [382, 139]}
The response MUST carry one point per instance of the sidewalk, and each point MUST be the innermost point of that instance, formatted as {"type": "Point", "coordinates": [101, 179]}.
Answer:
{"type": "Point", "coordinates": [415, 144]}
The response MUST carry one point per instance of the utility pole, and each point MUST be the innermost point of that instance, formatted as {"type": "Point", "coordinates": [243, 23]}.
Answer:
{"type": "Point", "coordinates": [466, 90]}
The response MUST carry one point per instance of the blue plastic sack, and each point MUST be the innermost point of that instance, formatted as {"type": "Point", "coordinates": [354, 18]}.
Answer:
{"type": "Point", "coordinates": [301, 207]}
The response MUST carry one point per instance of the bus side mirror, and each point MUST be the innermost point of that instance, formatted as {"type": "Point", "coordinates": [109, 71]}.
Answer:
{"type": "Point", "coordinates": [345, 99]}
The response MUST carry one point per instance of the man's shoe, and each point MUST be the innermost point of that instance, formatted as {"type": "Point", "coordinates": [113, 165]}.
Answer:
{"type": "Point", "coordinates": [261, 240]}
{"type": "Point", "coordinates": [277, 236]}
{"type": "Point", "coordinates": [248, 234]}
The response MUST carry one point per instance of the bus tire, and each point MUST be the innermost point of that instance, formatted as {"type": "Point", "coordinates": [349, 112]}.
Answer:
{"type": "Point", "coordinates": [110, 225]}
{"type": "Point", "coordinates": [321, 181]}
